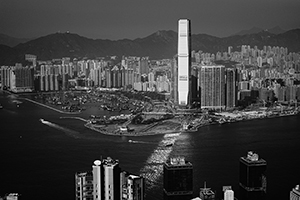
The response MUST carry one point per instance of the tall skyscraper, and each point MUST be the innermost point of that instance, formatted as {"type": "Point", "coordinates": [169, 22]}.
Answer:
{"type": "Point", "coordinates": [295, 193]}
{"type": "Point", "coordinates": [212, 84]}
{"type": "Point", "coordinates": [178, 179]}
{"type": "Point", "coordinates": [253, 181]}
{"type": "Point", "coordinates": [184, 61]}
{"type": "Point", "coordinates": [106, 179]}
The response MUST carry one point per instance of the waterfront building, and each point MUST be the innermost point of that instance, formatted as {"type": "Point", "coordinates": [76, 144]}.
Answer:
{"type": "Point", "coordinates": [295, 193]}
{"type": "Point", "coordinates": [84, 186]}
{"type": "Point", "coordinates": [253, 181]}
{"type": "Point", "coordinates": [212, 84]}
{"type": "Point", "coordinates": [17, 78]}
{"type": "Point", "coordinates": [178, 179]}
{"type": "Point", "coordinates": [184, 61]}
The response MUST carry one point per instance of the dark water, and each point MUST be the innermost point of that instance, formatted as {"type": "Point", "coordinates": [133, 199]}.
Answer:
{"type": "Point", "coordinates": [39, 160]}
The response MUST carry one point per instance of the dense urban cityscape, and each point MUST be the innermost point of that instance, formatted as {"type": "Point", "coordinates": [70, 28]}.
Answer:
{"type": "Point", "coordinates": [148, 97]}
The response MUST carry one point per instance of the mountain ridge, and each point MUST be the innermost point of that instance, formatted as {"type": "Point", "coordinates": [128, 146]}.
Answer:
{"type": "Point", "coordinates": [275, 30]}
{"type": "Point", "coordinates": [158, 45]}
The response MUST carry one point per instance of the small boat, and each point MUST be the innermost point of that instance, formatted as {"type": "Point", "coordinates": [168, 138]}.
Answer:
{"type": "Point", "coordinates": [169, 145]}
{"type": "Point", "coordinates": [42, 120]}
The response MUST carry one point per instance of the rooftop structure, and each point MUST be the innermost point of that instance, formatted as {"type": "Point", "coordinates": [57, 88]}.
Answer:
{"type": "Point", "coordinates": [253, 158]}
{"type": "Point", "coordinates": [206, 193]}
{"type": "Point", "coordinates": [295, 193]}
{"type": "Point", "coordinates": [178, 161]}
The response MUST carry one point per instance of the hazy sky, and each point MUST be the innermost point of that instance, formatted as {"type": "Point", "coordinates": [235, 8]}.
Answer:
{"type": "Point", "coordinates": [118, 19]}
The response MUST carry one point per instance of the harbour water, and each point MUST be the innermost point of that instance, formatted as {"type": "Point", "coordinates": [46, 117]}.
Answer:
{"type": "Point", "coordinates": [39, 159]}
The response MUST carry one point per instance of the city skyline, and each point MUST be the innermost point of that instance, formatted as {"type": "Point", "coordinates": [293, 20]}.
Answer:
{"type": "Point", "coordinates": [133, 19]}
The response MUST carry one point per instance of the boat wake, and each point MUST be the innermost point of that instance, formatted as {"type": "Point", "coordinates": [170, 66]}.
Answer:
{"type": "Point", "coordinates": [67, 131]}
{"type": "Point", "coordinates": [139, 142]}
{"type": "Point", "coordinates": [153, 168]}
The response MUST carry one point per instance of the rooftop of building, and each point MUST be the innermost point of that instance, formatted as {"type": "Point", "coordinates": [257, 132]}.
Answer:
{"type": "Point", "coordinates": [206, 191]}
{"type": "Point", "coordinates": [178, 161]}
{"type": "Point", "coordinates": [253, 158]}
{"type": "Point", "coordinates": [110, 161]}
{"type": "Point", "coordinates": [80, 174]}
{"type": "Point", "coordinates": [297, 188]}
{"type": "Point", "coordinates": [106, 161]}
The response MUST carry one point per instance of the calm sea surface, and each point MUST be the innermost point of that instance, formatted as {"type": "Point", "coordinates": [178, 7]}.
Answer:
{"type": "Point", "coordinates": [39, 160]}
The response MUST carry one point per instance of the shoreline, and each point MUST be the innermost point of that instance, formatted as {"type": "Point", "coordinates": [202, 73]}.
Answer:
{"type": "Point", "coordinates": [49, 107]}
{"type": "Point", "coordinates": [159, 131]}
{"type": "Point", "coordinates": [134, 134]}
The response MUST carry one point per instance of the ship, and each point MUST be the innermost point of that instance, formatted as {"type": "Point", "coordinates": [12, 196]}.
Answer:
{"type": "Point", "coordinates": [42, 120]}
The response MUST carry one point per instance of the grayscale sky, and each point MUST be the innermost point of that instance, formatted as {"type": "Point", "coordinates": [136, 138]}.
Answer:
{"type": "Point", "coordinates": [118, 19]}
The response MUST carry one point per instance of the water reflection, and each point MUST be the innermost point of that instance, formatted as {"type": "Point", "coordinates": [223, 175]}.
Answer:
{"type": "Point", "coordinates": [154, 164]}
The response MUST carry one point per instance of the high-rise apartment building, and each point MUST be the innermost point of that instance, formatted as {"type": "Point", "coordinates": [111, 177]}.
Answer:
{"type": "Point", "coordinates": [253, 181]}
{"type": "Point", "coordinates": [231, 88]}
{"type": "Point", "coordinates": [132, 187]}
{"type": "Point", "coordinates": [106, 179]}
{"type": "Point", "coordinates": [212, 86]}
{"type": "Point", "coordinates": [17, 78]}
{"type": "Point", "coordinates": [178, 179]}
{"type": "Point", "coordinates": [84, 186]}
{"type": "Point", "coordinates": [184, 61]}
{"type": "Point", "coordinates": [174, 81]}
{"type": "Point", "coordinates": [295, 193]}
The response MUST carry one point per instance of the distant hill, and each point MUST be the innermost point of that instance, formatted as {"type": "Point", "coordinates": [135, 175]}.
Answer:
{"type": "Point", "coordinates": [11, 41]}
{"type": "Point", "coordinates": [161, 44]}
{"type": "Point", "coordinates": [275, 30]}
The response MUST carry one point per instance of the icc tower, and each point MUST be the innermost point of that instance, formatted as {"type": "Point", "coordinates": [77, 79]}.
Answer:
{"type": "Point", "coordinates": [184, 62]}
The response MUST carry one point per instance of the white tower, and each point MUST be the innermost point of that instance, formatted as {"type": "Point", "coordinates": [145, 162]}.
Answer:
{"type": "Point", "coordinates": [97, 180]}
{"type": "Point", "coordinates": [183, 61]}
